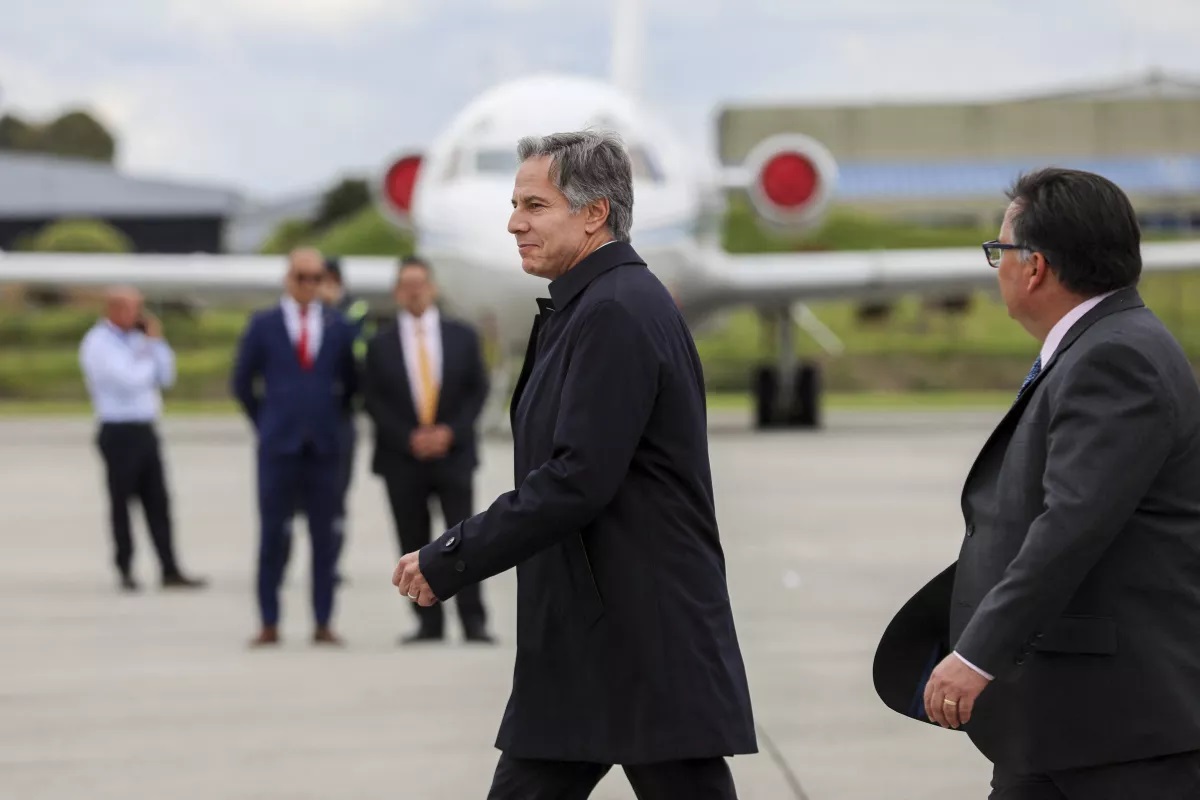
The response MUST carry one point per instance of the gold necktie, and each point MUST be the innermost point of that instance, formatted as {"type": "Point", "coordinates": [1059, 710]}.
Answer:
{"type": "Point", "coordinates": [429, 390]}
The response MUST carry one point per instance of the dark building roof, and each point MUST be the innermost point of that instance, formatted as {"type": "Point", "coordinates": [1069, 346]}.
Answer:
{"type": "Point", "coordinates": [34, 186]}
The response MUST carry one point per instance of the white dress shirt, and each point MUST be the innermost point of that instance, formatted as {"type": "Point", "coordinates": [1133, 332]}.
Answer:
{"type": "Point", "coordinates": [124, 372]}
{"type": "Point", "coordinates": [313, 320]}
{"type": "Point", "coordinates": [1055, 336]}
{"type": "Point", "coordinates": [1049, 347]}
{"type": "Point", "coordinates": [431, 330]}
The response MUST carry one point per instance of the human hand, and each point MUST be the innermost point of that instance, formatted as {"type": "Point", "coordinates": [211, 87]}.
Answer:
{"type": "Point", "coordinates": [441, 437]}
{"type": "Point", "coordinates": [408, 579]}
{"type": "Point", "coordinates": [153, 328]}
{"type": "Point", "coordinates": [429, 442]}
{"type": "Point", "coordinates": [951, 692]}
{"type": "Point", "coordinates": [420, 442]}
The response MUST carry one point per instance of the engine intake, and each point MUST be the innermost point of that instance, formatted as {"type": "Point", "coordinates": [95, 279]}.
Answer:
{"type": "Point", "coordinates": [792, 180]}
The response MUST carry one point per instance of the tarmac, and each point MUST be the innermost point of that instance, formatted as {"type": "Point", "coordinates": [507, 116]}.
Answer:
{"type": "Point", "coordinates": [156, 695]}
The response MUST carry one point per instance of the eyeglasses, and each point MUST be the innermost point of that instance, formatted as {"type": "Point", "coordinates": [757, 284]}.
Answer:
{"type": "Point", "coordinates": [995, 249]}
{"type": "Point", "coordinates": [308, 277]}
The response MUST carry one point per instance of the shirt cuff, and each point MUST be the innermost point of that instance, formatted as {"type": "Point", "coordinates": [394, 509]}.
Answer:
{"type": "Point", "coordinates": [972, 666]}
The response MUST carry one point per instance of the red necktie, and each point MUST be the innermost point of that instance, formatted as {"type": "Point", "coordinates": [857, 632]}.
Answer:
{"type": "Point", "coordinates": [302, 344]}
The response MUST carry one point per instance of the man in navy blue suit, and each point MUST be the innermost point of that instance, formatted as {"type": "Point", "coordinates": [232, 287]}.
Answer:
{"type": "Point", "coordinates": [302, 352]}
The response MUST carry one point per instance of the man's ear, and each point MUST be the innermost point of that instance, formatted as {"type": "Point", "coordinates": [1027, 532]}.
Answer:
{"type": "Point", "coordinates": [1037, 270]}
{"type": "Point", "coordinates": [597, 215]}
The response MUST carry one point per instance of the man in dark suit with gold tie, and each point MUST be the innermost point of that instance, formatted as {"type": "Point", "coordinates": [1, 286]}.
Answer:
{"type": "Point", "coordinates": [1064, 640]}
{"type": "Point", "coordinates": [424, 388]}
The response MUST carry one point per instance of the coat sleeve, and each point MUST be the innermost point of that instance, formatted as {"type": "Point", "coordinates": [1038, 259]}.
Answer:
{"type": "Point", "coordinates": [607, 397]}
{"type": "Point", "coordinates": [1110, 431]}
{"type": "Point", "coordinates": [120, 369]}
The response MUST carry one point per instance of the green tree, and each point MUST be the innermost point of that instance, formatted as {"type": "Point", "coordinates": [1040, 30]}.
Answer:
{"type": "Point", "coordinates": [16, 133]}
{"type": "Point", "coordinates": [288, 234]}
{"type": "Point", "coordinates": [341, 202]}
{"type": "Point", "coordinates": [74, 133]}
{"type": "Point", "coordinates": [365, 234]}
{"type": "Point", "coordinates": [78, 133]}
{"type": "Point", "coordinates": [80, 236]}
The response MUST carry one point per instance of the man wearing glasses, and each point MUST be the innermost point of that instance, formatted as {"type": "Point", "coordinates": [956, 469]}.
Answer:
{"type": "Point", "coordinates": [302, 355]}
{"type": "Point", "coordinates": [1065, 636]}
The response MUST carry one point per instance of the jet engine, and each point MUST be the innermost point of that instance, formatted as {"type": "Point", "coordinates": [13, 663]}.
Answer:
{"type": "Point", "coordinates": [790, 179]}
{"type": "Point", "coordinates": [395, 190]}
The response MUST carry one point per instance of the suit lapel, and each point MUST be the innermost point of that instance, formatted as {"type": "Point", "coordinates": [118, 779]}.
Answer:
{"type": "Point", "coordinates": [1123, 300]}
{"type": "Point", "coordinates": [545, 308]}
{"type": "Point", "coordinates": [280, 333]}
{"type": "Point", "coordinates": [327, 334]}
{"type": "Point", "coordinates": [1009, 419]}
{"type": "Point", "coordinates": [448, 344]}
{"type": "Point", "coordinates": [396, 357]}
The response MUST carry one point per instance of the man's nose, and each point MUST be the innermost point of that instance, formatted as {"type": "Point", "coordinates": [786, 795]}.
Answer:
{"type": "Point", "coordinates": [515, 223]}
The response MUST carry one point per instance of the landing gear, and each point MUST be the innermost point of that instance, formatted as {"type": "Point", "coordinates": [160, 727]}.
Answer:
{"type": "Point", "coordinates": [788, 395]}
{"type": "Point", "coordinates": [788, 404]}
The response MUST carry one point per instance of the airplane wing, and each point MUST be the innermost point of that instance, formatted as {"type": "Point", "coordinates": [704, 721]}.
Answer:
{"type": "Point", "coordinates": [172, 277]}
{"type": "Point", "coordinates": [780, 279]}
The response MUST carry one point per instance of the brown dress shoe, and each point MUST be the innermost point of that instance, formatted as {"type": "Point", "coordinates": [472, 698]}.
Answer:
{"type": "Point", "coordinates": [325, 635]}
{"type": "Point", "coordinates": [180, 581]}
{"type": "Point", "coordinates": [267, 636]}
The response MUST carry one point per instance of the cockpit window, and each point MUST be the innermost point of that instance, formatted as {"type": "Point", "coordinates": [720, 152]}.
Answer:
{"type": "Point", "coordinates": [496, 161]}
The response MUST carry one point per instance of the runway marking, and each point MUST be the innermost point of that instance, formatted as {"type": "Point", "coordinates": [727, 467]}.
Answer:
{"type": "Point", "coordinates": [788, 775]}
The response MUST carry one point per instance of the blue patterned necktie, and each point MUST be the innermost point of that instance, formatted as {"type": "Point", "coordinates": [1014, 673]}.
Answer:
{"type": "Point", "coordinates": [1033, 373]}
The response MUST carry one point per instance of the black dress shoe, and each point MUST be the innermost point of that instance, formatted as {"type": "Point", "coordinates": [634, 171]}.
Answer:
{"type": "Point", "coordinates": [128, 584]}
{"type": "Point", "coordinates": [180, 581]}
{"type": "Point", "coordinates": [421, 636]}
{"type": "Point", "coordinates": [478, 636]}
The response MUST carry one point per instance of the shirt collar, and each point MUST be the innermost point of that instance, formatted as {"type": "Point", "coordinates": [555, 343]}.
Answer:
{"type": "Point", "coordinates": [1055, 336]}
{"type": "Point", "coordinates": [566, 287]}
{"type": "Point", "coordinates": [429, 319]}
{"type": "Point", "coordinates": [289, 303]}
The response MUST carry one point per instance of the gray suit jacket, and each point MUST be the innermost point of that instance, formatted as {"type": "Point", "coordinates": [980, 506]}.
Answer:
{"type": "Point", "coordinates": [1078, 581]}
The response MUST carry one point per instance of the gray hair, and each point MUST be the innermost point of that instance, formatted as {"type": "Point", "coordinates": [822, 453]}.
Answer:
{"type": "Point", "coordinates": [586, 166]}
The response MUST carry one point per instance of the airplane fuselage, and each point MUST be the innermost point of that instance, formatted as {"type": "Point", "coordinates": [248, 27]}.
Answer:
{"type": "Point", "coordinates": [462, 200]}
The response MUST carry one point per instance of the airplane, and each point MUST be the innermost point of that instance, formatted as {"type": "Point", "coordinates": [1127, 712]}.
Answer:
{"type": "Point", "coordinates": [455, 198]}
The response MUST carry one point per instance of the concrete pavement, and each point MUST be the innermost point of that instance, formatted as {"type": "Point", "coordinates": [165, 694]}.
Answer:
{"type": "Point", "coordinates": [155, 695]}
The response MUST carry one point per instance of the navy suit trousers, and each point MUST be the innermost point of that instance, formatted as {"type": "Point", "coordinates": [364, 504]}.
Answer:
{"type": "Point", "coordinates": [313, 477]}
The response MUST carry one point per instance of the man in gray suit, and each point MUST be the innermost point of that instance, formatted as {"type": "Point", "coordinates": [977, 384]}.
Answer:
{"type": "Point", "coordinates": [1070, 653]}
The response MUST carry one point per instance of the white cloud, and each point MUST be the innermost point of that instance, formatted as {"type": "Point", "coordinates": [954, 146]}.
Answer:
{"type": "Point", "coordinates": [279, 95]}
{"type": "Point", "coordinates": [326, 17]}
{"type": "Point", "coordinates": [1175, 17]}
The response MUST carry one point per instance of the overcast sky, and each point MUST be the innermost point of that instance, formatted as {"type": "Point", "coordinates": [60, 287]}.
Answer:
{"type": "Point", "coordinates": [273, 97]}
